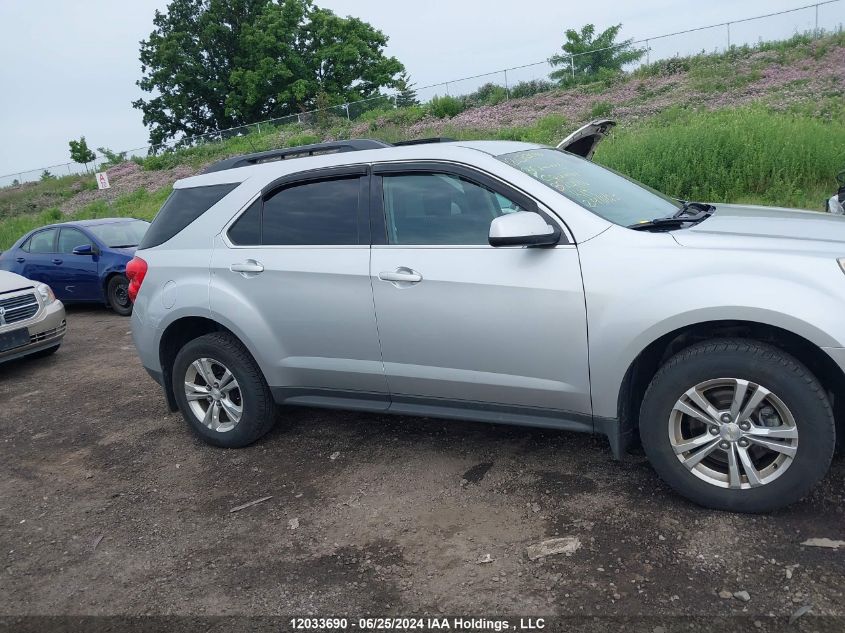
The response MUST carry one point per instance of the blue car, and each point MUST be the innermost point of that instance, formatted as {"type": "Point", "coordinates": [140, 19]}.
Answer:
{"type": "Point", "coordinates": [83, 261]}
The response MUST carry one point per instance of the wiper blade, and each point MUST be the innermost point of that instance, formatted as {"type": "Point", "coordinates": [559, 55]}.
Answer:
{"type": "Point", "coordinates": [694, 209]}
{"type": "Point", "coordinates": [678, 220]}
{"type": "Point", "coordinates": [661, 223]}
{"type": "Point", "coordinates": [123, 246]}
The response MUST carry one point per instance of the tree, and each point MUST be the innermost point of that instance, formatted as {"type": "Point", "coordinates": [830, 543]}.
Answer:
{"type": "Point", "coordinates": [80, 152]}
{"type": "Point", "coordinates": [592, 55]}
{"type": "Point", "coordinates": [112, 158]}
{"type": "Point", "coordinates": [215, 64]}
{"type": "Point", "coordinates": [406, 95]}
{"type": "Point", "coordinates": [46, 175]}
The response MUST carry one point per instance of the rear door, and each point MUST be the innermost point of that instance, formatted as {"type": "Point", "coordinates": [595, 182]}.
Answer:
{"type": "Point", "coordinates": [36, 260]}
{"type": "Point", "coordinates": [460, 320]}
{"type": "Point", "coordinates": [294, 268]}
{"type": "Point", "coordinates": [75, 277]}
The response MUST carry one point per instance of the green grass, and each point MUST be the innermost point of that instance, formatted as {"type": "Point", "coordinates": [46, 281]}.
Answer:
{"type": "Point", "coordinates": [138, 204]}
{"type": "Point", "coordinates": [744, 155]}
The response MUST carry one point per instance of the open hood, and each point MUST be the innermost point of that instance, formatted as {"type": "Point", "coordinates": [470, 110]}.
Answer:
{"type": "Point", "coordinates": [584, 140]}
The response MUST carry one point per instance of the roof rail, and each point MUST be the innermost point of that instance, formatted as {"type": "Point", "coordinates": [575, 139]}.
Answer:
{"type": "Point", "coordinates": [301, 151]}
{"type": "Point", "coordinates": [425, 141]}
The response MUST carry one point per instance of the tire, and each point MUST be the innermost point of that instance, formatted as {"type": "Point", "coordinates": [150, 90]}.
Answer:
{"type": "Point", "coordinates": [796, 405]}
{"type": "Point", "coordinates": [118, 295]}
{"type": "Point", "coordinates": [257, 409]}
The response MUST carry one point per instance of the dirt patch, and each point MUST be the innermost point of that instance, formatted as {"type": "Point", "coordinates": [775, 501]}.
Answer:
{"type": "Point", "coordinates": [109, 506]}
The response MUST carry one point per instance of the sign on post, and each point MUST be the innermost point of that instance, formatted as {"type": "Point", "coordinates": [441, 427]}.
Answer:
{"type": "Point", "coordinates": [102, 180]}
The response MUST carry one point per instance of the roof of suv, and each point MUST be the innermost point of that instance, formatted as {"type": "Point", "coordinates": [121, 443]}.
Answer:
{"type": "Point", "coordinates": [459, 151]}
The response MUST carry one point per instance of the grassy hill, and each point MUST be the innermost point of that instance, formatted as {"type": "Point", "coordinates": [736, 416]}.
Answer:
{"type": "Point", "coordinates": [763, 124]}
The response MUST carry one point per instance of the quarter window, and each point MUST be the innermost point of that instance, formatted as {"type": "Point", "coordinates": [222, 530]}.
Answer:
{"type": "Point", "coordinates": [43, 242]}
{"type": "Point", "coordinates": [440, 209]}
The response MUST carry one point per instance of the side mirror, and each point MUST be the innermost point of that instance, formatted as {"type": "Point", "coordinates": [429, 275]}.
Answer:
{"type": "Point", "coordinates": [523, 228]}
{"type": "Point", "coordinates": [84, 249]}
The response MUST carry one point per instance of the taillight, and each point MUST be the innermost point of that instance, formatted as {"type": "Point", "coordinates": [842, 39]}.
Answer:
{"type": "Point", "coordinates": [136, 270]}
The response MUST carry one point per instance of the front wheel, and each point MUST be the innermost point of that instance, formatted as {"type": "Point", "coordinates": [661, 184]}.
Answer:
{"type": "Point", "coordinates": [221, 391]}
{"type": "Point", "coordinates": [737, 425]}
{"type": "Point", "coordinates": [118, 295]}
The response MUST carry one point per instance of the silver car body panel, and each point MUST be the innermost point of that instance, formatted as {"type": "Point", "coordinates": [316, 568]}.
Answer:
{"type": "Point", "coordinates": [537, 336]}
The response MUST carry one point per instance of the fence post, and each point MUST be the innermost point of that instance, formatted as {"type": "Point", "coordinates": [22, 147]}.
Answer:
{"type": "Point", "coordinates": [572, 65]}
{"type": "Point", "coordinates": [647, 53]}
{"type": "Point", "coordinates": [447, 87]}
{"type": "Point", "coordinates": [816, 30]}
{"type": "Point", "coordinates": [258, 125]}
{"type": "Point", "coordinates": [507, 90]}
{"type": "Point", "coordinates": [729, 35]}
{"type": "Point", "coordinates": [346, 107]}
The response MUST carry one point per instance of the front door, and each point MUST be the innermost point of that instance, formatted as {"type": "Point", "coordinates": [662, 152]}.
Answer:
{"type": "Point", "coordinates": [295, 265]}
{"type": "Point", "coordinates": [460, 320]}
{"type": "Point", "coordinates": [75, 277]}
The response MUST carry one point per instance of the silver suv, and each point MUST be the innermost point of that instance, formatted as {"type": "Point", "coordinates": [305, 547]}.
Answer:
{"type": "Point", "coordinates": [502, 282]}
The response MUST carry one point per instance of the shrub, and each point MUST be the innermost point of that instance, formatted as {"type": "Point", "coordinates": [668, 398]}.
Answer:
{"type": "Point", "coordinates": [530, 88]}
{"type": "Point", "coordinates": [488, 94]}
{"type": "Point", "coordinates": [445, 106]}
{"type": "Point", "coordinates": [601, 109]}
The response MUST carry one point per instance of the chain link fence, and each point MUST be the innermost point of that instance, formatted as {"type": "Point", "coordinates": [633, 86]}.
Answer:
{"type": "Point", "coordinates": [813, 19]}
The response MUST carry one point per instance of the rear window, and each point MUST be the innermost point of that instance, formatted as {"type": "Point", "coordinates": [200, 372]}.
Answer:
{"type": "Point", "coordinates": [180, 209]}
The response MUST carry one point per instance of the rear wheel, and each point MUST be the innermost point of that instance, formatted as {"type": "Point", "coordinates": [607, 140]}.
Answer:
{"type": "Point", "coordinates": [737, 425]}
{"type": "Point", "coordinates": [117, 292]}
{"type": "Point", "coordinates": [221, 391]}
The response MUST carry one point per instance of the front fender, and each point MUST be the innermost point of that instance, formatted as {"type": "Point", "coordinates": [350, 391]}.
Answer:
{"type": "Point", "coordinates": [663, 287]}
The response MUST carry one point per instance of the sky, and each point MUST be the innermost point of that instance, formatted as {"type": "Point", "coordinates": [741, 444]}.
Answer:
{"type": "Point", "coordinates": [68, 68]}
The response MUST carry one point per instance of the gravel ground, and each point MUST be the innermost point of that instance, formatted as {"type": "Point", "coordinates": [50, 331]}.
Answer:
{"type": "Point", "coordinates": [109, 506]}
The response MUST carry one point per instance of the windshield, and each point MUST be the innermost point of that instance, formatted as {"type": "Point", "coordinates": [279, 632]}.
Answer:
{"type": "Point", "coordinates": [117, 234]}
{"type": "Point", "coordinates": [598, 189]}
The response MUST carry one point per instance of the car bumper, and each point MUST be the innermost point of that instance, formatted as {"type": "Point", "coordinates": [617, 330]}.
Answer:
{"type": "Point", "coordinates": [46, 332]}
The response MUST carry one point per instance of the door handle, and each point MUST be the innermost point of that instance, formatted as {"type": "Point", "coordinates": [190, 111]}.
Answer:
{"type": "Point", "coordinates": [401, 275]}
{"type": "Point", "coordinates": [57, 261]}
{"type": "Point", "coordinates": [247, 268]}
{"type": "Point", "coordinates": [20, 260]}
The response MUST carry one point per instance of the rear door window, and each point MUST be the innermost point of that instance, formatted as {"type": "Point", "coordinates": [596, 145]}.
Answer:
{"type": "Point", "coordinates": [180, 209]}
{"type": "Point", "coordinates": [43, 242]}
{"type": "Point", "coordinates": [323, 212]}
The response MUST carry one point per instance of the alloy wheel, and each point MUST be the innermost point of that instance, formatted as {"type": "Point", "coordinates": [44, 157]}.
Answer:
{"type": "Point", "coordinates": [213, 394]}
{"type": "Point", "coordinates": [733, 433]}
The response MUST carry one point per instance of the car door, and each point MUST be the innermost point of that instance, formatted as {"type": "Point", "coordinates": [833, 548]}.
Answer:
{"type": "Point", "coordinates": [35, 258]}
{"type": "Point", "coordinates": [75, 277]}
{"type": "Point", "coordinates": [461, 321]}
{"type": "Point", "coordinates": [295, 267]}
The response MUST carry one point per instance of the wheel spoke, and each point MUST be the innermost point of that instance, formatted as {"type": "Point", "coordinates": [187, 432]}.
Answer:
{"type": "Point", "coordinates": [225, 378]}
{"type": "Point", "coordinates": [695, 413]}
{"type": "Point", "coordinates": [694, 443]}
{"type": "Point", "coordinates": [693, 461]}
{"type": "Point", "coordinates": [734, 477]}
{"type": "Point", "coordinates": [215, 415]}
{"type": "Point", "coordinates": [203, 368]}
{"type": "Point", "coordinates": [778, 447]}
{"type": "Point", "coordinates": [758, 394]}
{"type": "Point", "coordinates": [739, 397]}
{"type": "Point", "coordinates": [748, 466]}
{"type": "Point", "coordinates": [229, 386]}
{"type": "Point", "coordinates": [207, 418]}
{"type": "Point", "coordinates": [194, 391]}
{"type": "Point", "coordinates": [704, 404]}
{"type": "Point", "coordinates": [779, 432]}
{"type": "Point", "coordinates": [233, 411]}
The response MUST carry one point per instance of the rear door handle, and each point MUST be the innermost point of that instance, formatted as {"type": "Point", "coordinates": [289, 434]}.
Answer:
{"type": "Point", "coordinates": [57, 261]}
{"type": "Point", "coordinates": [401, 275]}
{"type": "Point", "coordinates": [20, 260]}
{"type": "Point", "coordinates": [247, 268]}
